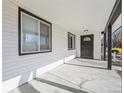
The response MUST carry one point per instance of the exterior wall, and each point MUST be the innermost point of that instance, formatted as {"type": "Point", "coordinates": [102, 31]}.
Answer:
{"type": "Point", "coordinates": [19, 69]}
{"type": "Point", "coordinates": [78, 44]}
{"type": "Point", "coordinates": [97, 43]}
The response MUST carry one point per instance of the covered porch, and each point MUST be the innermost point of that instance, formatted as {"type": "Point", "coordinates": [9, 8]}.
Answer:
{"type": "Point", "coordinates": [54, 46]}
{"type": "Point", "coordinates": [76, 76]}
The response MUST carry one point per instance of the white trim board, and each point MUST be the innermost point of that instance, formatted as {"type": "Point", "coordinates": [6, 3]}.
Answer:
{"type": "Point", "coordinates": [14, 82]}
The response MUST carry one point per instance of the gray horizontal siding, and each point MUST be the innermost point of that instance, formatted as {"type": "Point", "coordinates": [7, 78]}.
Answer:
{"type": "Point", "coordinates": [15, 65]}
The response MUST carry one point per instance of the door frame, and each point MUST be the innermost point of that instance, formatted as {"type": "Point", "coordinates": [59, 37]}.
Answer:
{"type": "Point", "coordinates": [81, 44]}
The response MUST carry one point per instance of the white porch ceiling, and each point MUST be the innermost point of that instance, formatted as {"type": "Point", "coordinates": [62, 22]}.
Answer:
{"type": "Point", "coordinates": [73, 14]}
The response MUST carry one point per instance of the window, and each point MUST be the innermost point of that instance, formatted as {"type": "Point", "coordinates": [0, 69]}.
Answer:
{"type": "Point", "coordinates": [71, 41]}
{"type": "Point", "coordinates": [35, 34]}
{"type": "Point", "coordinates": [87, 39]}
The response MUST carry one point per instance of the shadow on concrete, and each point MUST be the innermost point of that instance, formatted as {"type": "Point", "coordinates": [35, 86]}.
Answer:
{"type": "Point", "coordinates": [70, 81]}
{"type": "Point", "coordinates": [86, 66]}
{"type": "Point", "coordinates": [91, 61]}
{"type": "Point", "coordinates": [73, 90]}
{"type": "Point", "coordinates": [117, 64]}
{"type": "Point", "coordinates": [27, 88]}
{"type": "Point", "coordinates": [63, 79]}
{"type": "Point", "coordinates": [119, 73]}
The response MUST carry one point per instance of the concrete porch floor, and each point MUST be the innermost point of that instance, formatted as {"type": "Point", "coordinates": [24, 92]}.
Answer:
{"type": "Point", "coordinates": [76, 76]}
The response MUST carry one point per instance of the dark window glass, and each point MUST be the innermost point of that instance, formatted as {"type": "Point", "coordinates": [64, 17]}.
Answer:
{"type": "Point", "coordinates": [71, 41]}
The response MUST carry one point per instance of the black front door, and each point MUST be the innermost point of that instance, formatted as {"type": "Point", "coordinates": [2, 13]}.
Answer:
{"type": "Point", "coordinates": [87, 46]}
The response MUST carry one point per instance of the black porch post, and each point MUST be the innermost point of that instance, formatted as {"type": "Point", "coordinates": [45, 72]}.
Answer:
{"type": "Point", "coordinates": [116, 11]}
{"type": "Point", "coordinates": [104, 46]}
{"type": "Point", "coordinates": [109, 47]}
